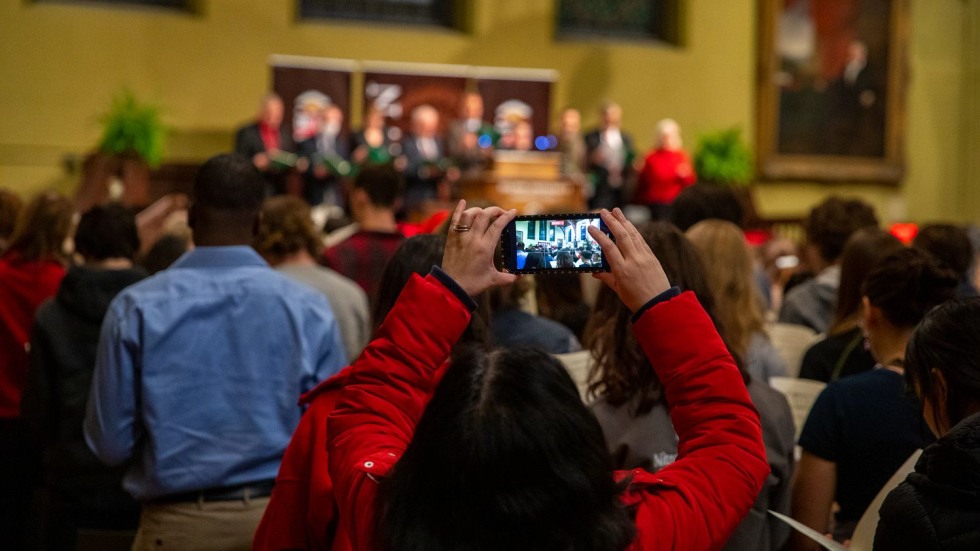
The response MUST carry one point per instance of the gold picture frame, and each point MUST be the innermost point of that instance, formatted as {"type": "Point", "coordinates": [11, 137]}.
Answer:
{"type": "Point", "coordinates": [831, 88]}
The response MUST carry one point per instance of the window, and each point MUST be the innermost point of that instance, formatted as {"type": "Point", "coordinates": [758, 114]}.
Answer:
{"type": "Point", "coordinates": [637, 19]}
{"type": "Point", "coordinates": [423, 12]}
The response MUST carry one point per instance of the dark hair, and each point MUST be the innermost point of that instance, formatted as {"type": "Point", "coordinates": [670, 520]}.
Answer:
{"type": "Point", "coordinates": [949, 244]}
{"type": "Point", "coordinates": [286, 228]}
{"type": "Point", "coordinates": [229, 182]}
{"type": "Point", "coordinates": [863, 250]}
{"type": "Point", "coordinates": [107, 232]}
{"type": "Point", "coordinates": [621, 372]}
{"type": "Point", "coordinates": [535, 259]}
{"type": "Point", "coordinates": [831, 223]}
{"type": "Point", "coordinates": [10, 207]}
{"type": "Point", "coordinates": [382, 183]}
{"type": "Point", "coordinates": [906, 284]}
{"type": "Point", "coordinates": [947, 340]}
{"type": "Point", "coordinates": [417, 255]}
{"type": "Point", "coordinates": [165, 252]}
{"type": "Point", "coordinates": [705, 201]}
{"type": "Point", "coordinates": [505, 456]}
{"type": "Point", "coordinates": [42, 227]}
{"type": "Point", "coordinates": [564, 259]}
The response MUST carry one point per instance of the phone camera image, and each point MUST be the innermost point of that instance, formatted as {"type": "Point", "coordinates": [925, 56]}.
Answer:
{"type": "Point", "coordinates": [558, 243]}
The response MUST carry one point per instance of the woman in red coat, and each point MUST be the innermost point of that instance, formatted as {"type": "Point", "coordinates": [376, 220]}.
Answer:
{"type": "Point", "coordinates": [30, 272]}
{"type": "Point", "coordinates": [505, 455]}
{"type": "Point", "coordinates": [666, 171]}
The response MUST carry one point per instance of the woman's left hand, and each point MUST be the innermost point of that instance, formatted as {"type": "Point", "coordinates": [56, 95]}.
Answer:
{"type": "Point", "coordinates": [472, 240]}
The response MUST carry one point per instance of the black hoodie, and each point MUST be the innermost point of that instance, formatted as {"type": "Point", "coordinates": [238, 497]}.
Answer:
{"type": "Point", "coordinates": [63, 348]}
{"type": "Point", "coordinates": [938, 505]}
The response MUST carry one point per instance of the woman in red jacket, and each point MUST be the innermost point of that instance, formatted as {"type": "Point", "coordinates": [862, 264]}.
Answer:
{"type": "Point", "coordinates": [505, 455]}
{"type": "Point", "coordinates": [666, 171]}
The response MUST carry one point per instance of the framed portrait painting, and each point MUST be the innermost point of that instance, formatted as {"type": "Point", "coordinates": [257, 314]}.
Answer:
{"type": "Point", "coordinates": [831, 90]}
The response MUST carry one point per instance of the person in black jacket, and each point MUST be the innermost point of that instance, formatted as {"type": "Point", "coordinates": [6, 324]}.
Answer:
{"type": "Point", "coordinates": [84, 494]}
{"type": "Point", "coordinates": [938, 505]}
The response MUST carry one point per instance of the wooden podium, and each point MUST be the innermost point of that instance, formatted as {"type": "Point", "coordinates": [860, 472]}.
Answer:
{"type": "Point", "coordinates": [529, 181]}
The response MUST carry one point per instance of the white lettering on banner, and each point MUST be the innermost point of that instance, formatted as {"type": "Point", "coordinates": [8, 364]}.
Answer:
{"type": "Point", "coordinates": [385, 97]}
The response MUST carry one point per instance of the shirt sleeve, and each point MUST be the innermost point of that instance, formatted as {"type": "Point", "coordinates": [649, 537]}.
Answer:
{"type": "Point", "coordinates": [822, 431]}
{"type": "Point", "coordinates": [111, 425]}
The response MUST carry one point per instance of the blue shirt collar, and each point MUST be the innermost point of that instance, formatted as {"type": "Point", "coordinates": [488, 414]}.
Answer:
{"type": "Point", "coordinates": [220, 257]}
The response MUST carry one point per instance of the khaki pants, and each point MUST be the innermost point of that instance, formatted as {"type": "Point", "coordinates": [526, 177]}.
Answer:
{"type": "Point", "coordinates": [205, 526]}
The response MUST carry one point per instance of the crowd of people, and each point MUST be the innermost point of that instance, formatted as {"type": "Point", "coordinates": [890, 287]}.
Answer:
{"type": "Point", "coordinates": [434, 154]}
{"type": "Point", "coordinates": [269, 384]}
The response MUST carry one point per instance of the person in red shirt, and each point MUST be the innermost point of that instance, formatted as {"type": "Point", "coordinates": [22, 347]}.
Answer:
{"type": "Point", "coordinates": [31, 270]}
{"type": "Point", "coordinates": [666, 171]}
{"type": "Point", "coordinates": [505, 455]}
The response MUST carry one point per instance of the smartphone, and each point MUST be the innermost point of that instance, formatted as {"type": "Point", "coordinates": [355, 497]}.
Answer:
{"type": "Point", "coordinates": [553, 243]}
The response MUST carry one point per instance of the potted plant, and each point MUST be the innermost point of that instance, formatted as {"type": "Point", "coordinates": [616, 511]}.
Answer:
{"type": "Point", "coordinates": [130, 145]}
{"type": "Point", "coordinates": [723, 158]}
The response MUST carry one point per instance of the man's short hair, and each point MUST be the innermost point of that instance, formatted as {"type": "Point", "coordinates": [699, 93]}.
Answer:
{"type": "Point", "coordinates": [382, 183]}
{"type": "Point", "coordinates": [831, 223]}
{"type": "Point", "coordinates": [949, 244]}
{"type": "Point", "coordinates": [229, 182]}
{"type": "Point", "coordinates": [107, 232]}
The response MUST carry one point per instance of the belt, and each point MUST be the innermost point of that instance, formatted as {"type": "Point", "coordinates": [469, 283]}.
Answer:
{"type": "Point", "coordinates": [254, 490]}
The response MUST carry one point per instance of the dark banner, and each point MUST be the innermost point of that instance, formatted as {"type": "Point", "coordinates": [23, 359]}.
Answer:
{"type": "Point", "coordinates": [306, 91]}
{"type": "Point", "coordinates": [397, 94]}
{"type": "Point", "coordinates": [509, 100]}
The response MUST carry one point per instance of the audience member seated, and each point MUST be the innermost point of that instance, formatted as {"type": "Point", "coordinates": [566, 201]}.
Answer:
{"type": "Point", "coordinates": [30, 271]}
{"type": "Point", "coordinates": [666, 171]}
{"type": "Point", "coordinates": [325, 152]}
{"type": "Point", "coordinates": [828, 227]}
{"type": "Point", "coordinates": [513, 327]}
{"type": "Point", "coordinates": [518, 460]}
{"type": "Point", "coordinates": [951, 246]}
{"type": "Point", "coordinates": [363, 255]}
{"type": "Point", "coordinates": [220, 347]}
{"type": "Point", "coordinates": [264, 141]}
{"type": "Point", "coordinates": [634, 407]}
{"type": "Point", "coordinates": [936, 507]}
{"type": "Point", "coordinates": [10, 207]}
{"type": "Point", "coordinates": [289, 242]}
{"type": "Point", "coordinates": [302, 513]}
{"type": "Point", "coordinates": [863, 427]}
{"type": "Point", "coordinates": [82, 493]}
{"type": "Point", "coordinates": [703, 202]}
{"type": "Point", "coordinates": [729, 271]}
{"type": "Point", "coordinates": [844, 352]}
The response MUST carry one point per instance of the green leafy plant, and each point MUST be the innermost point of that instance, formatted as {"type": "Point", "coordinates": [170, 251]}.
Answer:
{"type": "Point", "coordinates": [723, 158]}
{"type": "Point", "coordinates": [131, 127]}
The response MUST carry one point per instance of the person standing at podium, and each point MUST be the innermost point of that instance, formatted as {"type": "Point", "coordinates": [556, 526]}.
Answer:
{"type": "Point", "coordinates": [610, 154]}
{"type": "Point", "coordinates": [264, 140]}
{"type": "Point", "coordinates": [471, 138]}
{"type": "Point", "coordinates": [423, 159]}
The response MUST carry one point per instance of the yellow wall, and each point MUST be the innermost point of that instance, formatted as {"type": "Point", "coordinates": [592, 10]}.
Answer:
{"type": "Point", "coordinates": [60, 64]}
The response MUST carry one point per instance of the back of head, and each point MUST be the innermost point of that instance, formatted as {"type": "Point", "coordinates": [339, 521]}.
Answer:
{"type": "Point", "coordinates": [518, 460]}
{"type": "Point", "coordinates": [416, 255]}
{"type": "Point", "coordinates": [831, 223]}
{"type": "Point", "coordinates": [949, 244]}
{"type": "Point", "coordinates": [286, 229]}
{"type": "Point", "coordinates": [230, 183]}
{"type": "Point", "coordinates": [862, 251]}
{"type": "Point", "coordinates": [704, 201]}
{"type": "Point", "coordinates": [947, 340]}
{"type": "Point", "coordinates": [621, 373]}
{"type": "Point", "coordinates": [908, 283]}
{"type": "Point", "coordinates": [106, 232]}
{"type": "Point", "coordinates": [10, 207]}
{"type": "Point", "coordinates": [381, 183]}
{"type": "Point", "coordinates": [728, 268]}
{"type": "Point", "coordinates": [42, 228]}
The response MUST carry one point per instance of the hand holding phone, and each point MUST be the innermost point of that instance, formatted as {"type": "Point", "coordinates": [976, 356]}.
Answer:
{"type": "Point", "coordinates": [553, 243]}
{"type": "Point", "coordinates": [635, 272]}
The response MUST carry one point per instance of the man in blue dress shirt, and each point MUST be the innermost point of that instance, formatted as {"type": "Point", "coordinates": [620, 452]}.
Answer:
{"type": "Point", "coordinates": [199, 370]}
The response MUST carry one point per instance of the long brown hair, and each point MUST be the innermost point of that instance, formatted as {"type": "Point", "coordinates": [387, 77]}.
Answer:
{"type": "Point", "coordinates": [42, 228]}
{"type": "Point", "coordinates": [861, 252]}
{"type": "Point", "coordinates": [621, 373]}
{"type": "Point", "coordinates": [727, 259]}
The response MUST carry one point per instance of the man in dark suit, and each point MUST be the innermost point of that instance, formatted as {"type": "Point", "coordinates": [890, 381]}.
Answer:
{"type": "Point", "coordinates": [610, 155]}
{"type": "Point", "coordinates": [327, 156]}
{"type": "Point", "coordinates": [264, 141]}
{"type": "Point", "coordinates": [856, 108]}
{"type": "Point", "coordinates": [424, 160]}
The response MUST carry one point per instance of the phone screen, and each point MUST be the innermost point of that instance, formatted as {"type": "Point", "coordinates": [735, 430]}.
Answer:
{"type": "Point", "coordinates": [556, 243]}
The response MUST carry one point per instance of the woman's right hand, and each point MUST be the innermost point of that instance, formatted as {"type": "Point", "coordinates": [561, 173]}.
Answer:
{"type": "Point", "coordinates": [635, 273]}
